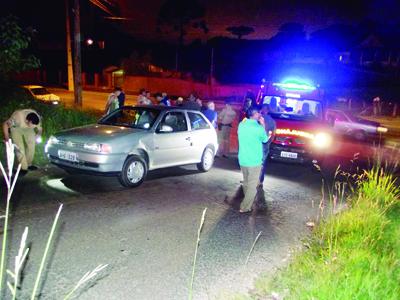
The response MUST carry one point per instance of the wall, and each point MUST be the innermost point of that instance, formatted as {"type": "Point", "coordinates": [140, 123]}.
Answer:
{"type": "Point", "coordinates": [179, 87]}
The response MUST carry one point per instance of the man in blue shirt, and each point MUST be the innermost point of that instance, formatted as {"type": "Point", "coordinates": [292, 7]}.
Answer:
{"type": "Point", "coordinates": [211, 114]}
{"type": "Point", "coordinates": [251, 136]}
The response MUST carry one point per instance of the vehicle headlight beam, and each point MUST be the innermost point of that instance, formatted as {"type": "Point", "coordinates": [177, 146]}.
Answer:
{"type": "Point", "coordinates": [322, 140]}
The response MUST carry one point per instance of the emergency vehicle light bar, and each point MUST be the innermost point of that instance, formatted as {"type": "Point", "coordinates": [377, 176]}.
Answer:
{"type": "Point", "coordinates": [295, 86]}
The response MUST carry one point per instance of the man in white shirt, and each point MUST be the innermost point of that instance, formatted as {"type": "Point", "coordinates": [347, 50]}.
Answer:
{"type": "Point", "coordinates": [24, 126]}
{"type": "Point", "coordinates": [143, 98]}
{"type": "Point", "coordinates": [225, 120]}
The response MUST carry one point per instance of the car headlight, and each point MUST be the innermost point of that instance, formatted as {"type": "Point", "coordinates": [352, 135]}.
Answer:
{"type": "Point", "coordinates": [55, 102]}
{"type": "Point", "coordinates": [322, 140]}
{"type": "Point", "coordinates": [101, 148]}
{"type": "Point", "coordinates": [52, 140]}
{"type": "Point", "coordinates": [381, 129]}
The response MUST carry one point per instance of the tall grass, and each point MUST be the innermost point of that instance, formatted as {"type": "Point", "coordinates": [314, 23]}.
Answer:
{"type": "Point", "coordinates": [19, 261]}
{"type": "Point", "coordinates": [354, 254]}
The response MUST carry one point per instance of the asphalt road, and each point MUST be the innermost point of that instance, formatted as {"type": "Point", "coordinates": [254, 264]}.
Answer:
{"type": "Point", "coordinates": [147, 235]}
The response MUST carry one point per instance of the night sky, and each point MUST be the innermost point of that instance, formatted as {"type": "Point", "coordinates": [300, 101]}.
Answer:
{"type": "Point", "coordinates": [137, 31]}
{"type": "Point", "coordinates": [265, 16]}
{"type": "Point", "coordinates": [47, 16]}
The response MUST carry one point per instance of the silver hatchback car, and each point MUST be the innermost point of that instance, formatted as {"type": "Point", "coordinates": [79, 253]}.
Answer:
{"type": "Point", "coordinates": [132, 140]}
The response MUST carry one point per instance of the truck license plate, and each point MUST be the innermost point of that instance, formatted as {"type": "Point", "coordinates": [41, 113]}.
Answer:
{"type": "Point", "coordinates": [288, 154]}
{"type": "Point", "coordinates": [67, 155]}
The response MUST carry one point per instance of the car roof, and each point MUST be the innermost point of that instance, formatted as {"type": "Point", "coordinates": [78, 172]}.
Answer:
{"type": "Point", "coordinates": [163, 107]}
{"type": "Point", "coordinates": [339, 110]}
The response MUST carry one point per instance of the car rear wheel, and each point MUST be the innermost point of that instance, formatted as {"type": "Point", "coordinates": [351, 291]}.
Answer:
{"type": "Point", "coordinates": [133, 172]}
{"type": "Point", "coordinates": [207, 160]}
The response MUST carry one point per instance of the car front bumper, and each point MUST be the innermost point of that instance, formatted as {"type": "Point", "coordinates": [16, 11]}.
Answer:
{"type": "Point", "coordinates": [293, 154]}
{"type": "Point", "coordinates": [94, 163]}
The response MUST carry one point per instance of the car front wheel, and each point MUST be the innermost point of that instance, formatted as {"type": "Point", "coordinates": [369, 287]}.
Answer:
{"type": "Point", "coordinates": [133, 172]}
{"type": "Point", "coordinates": [207, 160]}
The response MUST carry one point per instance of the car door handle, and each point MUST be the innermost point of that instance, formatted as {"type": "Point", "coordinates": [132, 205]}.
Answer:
{"type": "Point", "coordinates": [188, 138]}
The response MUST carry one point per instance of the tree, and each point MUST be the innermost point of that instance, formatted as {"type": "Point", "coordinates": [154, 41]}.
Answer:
{"type": "Point", "coordinates": [179, 15]}
{"type": "Point", "coordinates": [13, 44]}
{"type": "Point", "coordinates": [240, 31]}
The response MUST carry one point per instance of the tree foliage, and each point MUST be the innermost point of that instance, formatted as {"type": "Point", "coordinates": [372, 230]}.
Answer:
{"type": "Point", "coordinates": [14, 42]}
{"type": "Point", "coordinates": [178, 15]}
{"type": "Point", "coordinates": [240, 31]}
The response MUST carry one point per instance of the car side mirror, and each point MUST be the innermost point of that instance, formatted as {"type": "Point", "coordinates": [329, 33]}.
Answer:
{"type": "Point", "coordinates": [165, 128]}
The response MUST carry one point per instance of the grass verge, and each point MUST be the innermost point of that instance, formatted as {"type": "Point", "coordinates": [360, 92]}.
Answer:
{"type": "Point", "coordinates": [354, 254]}
{"type": "Point", "coordinates": [54, 118]}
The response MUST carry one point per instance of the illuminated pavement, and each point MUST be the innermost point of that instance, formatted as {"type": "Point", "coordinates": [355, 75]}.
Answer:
{"type": "Point", "coordinates": [147, 235]}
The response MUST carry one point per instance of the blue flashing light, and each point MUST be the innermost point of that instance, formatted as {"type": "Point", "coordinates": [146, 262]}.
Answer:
{"type": "Point", "coordinates": [294, 85]}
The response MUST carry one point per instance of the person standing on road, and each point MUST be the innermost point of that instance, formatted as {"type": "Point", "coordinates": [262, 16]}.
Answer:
{"type": "Point", "coordinates": [142, 98]}
{"type": "Point", "coordinates": [270, 127]}
{"type": "Point", "coordinates": [225, 120]}
{"type": "Point", "coordinates": [251, 136]}
{"type": "Point", "coordinates": [121, 97]}
{"type": "Point", "coordinates": [24, 126]}
{"type": "Point", "coordinates": [211, 114]}
{"type": "Point", "coordinates": [165, 100]}
{"type": "Point", "coordinates": [191, 103]}
{"type": "Point", "coordinates": [112, 101]}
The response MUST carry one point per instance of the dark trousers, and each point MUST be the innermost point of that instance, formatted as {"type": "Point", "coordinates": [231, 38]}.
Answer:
{"type": "Point", "coordinates": [265, 160]}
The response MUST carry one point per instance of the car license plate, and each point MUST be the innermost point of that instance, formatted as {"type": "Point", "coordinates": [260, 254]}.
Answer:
{"type": "Point", "coordinates": [67, 155]}
{"type": "Point", "coordinates": [288, 154]}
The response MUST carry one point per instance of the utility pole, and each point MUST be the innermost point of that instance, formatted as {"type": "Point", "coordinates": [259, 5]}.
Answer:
{"type": "Point", "coordinates": [77, 55]}
{"type": "Point", "coordinates": [70, 73]}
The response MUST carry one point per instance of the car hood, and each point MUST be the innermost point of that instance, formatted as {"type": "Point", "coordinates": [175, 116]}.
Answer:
{"type": "Point", "coordinates": [98, 133]}
{"type": "Point", "coordinates": [48, 97]}
{"type": "Point", "coordinates": [368, 122]}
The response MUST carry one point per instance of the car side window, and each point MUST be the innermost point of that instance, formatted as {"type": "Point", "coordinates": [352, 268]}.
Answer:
{"type": "Point", "coordinates": [197, 121]}
{"type": "Point", "coordinates": [175, 120]}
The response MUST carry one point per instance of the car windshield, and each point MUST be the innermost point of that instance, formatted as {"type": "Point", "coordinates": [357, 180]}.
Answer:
{"type": "Point", "coordinates": [133, 117]}
{"type": "Point", "coordinates": [40, 91]}
{"type": "Point", "coordinates": [293, 108]}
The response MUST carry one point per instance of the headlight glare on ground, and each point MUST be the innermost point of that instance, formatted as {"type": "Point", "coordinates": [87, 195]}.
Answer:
{"type": "Point", "coordinates": [322, 140]}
